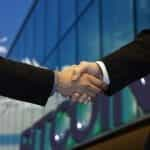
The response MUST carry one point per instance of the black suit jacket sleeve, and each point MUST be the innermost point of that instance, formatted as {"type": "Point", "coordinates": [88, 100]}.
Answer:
{"type": "Point", "coordinates": [129, 63]}
{"type": "Point", "coordinates": [25, 82]}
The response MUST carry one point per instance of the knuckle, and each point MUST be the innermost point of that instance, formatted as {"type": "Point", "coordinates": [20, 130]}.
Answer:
{"type": "Point", "coordinates": [86, 77]}
{"type": "Point", "coordinates": [84, 83]}
{"type": "Point", "coordinates": [82, 62]}
{"type": "Point", "coordinates": [87, 86]}
{"type": "Point", "coordinates": [92, 95]}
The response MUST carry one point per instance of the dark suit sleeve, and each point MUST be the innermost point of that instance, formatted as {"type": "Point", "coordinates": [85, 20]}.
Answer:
{"type": "Point", "coordinates": [25, 82]}
{"type": "Point", "coordinates": [129, 63]}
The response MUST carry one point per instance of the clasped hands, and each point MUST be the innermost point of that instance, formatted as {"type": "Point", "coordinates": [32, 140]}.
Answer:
{"type": "Point", "coordinates": [81, 82]}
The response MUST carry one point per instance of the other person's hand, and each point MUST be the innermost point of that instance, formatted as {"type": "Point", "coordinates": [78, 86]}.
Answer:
{"type": "Point", "coordinates": [87, 86]}
{"type": "Point", "coordinates": [92, 69]}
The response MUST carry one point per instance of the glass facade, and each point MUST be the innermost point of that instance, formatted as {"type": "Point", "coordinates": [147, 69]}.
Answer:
{"type": "Point", "coordinates": [60, 33]}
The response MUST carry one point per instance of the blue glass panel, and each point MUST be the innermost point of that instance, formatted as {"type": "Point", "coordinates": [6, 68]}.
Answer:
{"type": "Point", "coordinates": [89, 40]}
{"type": "Point", "coordinates": [129, 106]}
{"type": "Point", "coordinates": [83, 114]}
{"type": "Point", "coordinates": [47, 132]}
{"type": "Point", "coordinates": [40, 32]}
{"type": "Point", "coordinates": [51, 12]}
{"type": "Point", "coordinates": [70, 143]}
{"type": "Point", "coordinates": [62, 125]}
{"type": "Point", "coordinates": [117, 24]}
{"type": "Point", "coordinates": [143, 14]}
{"type": "Point", "coordinates": [18, 52]}
{"type": "Point", "coordinates": [30, 38]}
{"type": "Point", "coordinates": [52, 61]}
{"type": "Point", "coordinates": [37, 139]}
{"type": "Point", "coordinates": [111, 101]}
{"type": "Point", "coordinates": [67, 14]}
{"type": "Point", "coordinates": [82, 4]}
{"type": "Point", "coordinates": [68, 50]}
{"type": "Point", "coordinates": [118, 27]}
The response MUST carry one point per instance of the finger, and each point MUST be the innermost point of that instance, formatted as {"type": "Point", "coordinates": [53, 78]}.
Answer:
{"type": "Point", "coordinates": [74, 66]}
{"type": "Point", "coordinates": [90, 93]}
{"type": "Point", "coordinates": [77, 73]}
{"type": "Point", "coordinates": [88, 100]}
{"type": "Point", "coordinates": [83, 98]}
{"type": "Point", "coordinates": [93, 89]}
{"type": "Point", "coordinates": [95, 81]}
{"type": "Point", "coordinates": [83, 62]}
{"type": "Point", "coordinates": [79, 70]}
{"type": "Point", "coordinates": [75, 96]}
{"type": "Point", "coordinates": [68, 68]}
{"type": "Point", "coordinates": [104, 86]}
{"type": "Point", "coordinates": [88, 89]}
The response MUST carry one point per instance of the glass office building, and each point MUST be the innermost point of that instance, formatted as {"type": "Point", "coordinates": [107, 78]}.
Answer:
{"type": "Point", "coordinates": [58, 33]}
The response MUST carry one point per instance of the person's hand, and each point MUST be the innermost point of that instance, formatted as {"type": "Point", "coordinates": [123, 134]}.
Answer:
{"type": "Point", "coordinates": [87, 67]}
{"type": "Point", "coordinates": [86, 85]}
{"type": "Point", "coordinates": [93, 69]}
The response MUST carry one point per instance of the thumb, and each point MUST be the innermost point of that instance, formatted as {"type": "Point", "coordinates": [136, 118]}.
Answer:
{"type": "Point", "coordinates": [78, 71]}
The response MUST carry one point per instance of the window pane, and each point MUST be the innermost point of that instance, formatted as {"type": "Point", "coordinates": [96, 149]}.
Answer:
{"type": "Point", "coordinates": [30, 38]}
{"type": "Point", "coordinates": [143, 14]}
{"type": "Point", "coordinates": [118, 30]}
{"type": "Point", "coordinates": [67, 50]}
{"type": "Point", "coordinates": [89, 40]}
{"type": "Point", "coordinates": [67, 14]}
{"type": "Point", "coordinates": [52, 61]}
{"type": "Point", "coordinates": [19, 49]}
{"type": "Point", "coordinates": [117, 24]}
{"type": "Point", "coordinates": [51, 12]}
{"type": "Point", "coordinates": [39, 32]}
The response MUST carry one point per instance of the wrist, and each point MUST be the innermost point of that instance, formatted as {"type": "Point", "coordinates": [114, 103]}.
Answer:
{"type": "Point", "coordinates": [99, 71]}
{"type": "Point", "coordinates": [105, 75]}
{"type": "Point", "coordinates": [57, 81]}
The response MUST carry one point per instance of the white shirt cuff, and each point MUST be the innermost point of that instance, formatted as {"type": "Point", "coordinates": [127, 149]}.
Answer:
{"type": "Point", "coordinates": [104, 71]}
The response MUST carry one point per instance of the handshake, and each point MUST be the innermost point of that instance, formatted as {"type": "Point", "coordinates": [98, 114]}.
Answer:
{"type": "Point", "coordinates": [81, 83]}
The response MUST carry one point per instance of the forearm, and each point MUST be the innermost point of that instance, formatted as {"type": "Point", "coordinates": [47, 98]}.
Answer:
{"type": "Point", "coordinates": [128, 64]}
{"type": "Point", "coordinates": [25, 82]}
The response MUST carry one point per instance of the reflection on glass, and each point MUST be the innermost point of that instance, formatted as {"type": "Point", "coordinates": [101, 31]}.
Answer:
{"type": "Point", "coordinates": [97, 128]}
{"type": "Point", "coordinates": [18, 51]}
{"type": "Point", "coordinates": [37, 140]}
{"type": "Point", "coordinates": [111, 112]}
{"type": "Point", "coordinates": [68, 50]}
{"type": "Point", "coordinates": [70, 143]}
{"type": "Point", "coordinates": [89, 40]}
{"type": "Point", "coordinates": [52, 61]}
{"type": "Point", "coordinates": [82, 4]}
{"type": "Point", "coordinates": [62, 125]}
{"type": "Point", "coordinates": [143, 14]}
{"type": "Point", "coordinates": [129, 106]}
{"type": "Point", "coordinates": [24, 140]}
{"type": "Point", "coordinates": [51, 27]}
{"type": "Point", "coordinates": [30, 38]}
{"type": "Point", "coordinates": [83, 114]}
{"type": "Point", "coordinates": [47, 132]}
{"type": "Point", "coordinates": [40, 32]}
{"type": "Point", "coordinates": [67, 14]}
{"type": "Point", "coordinates": [117, 24]}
